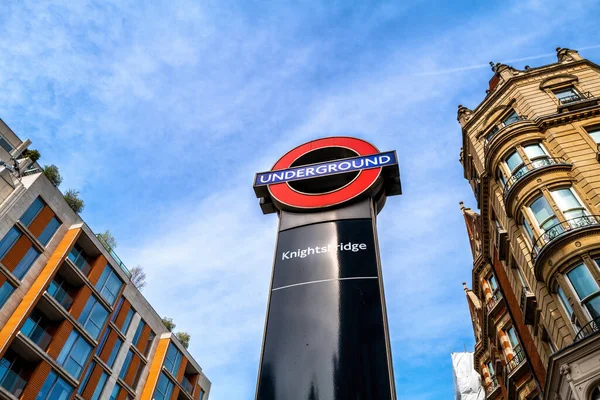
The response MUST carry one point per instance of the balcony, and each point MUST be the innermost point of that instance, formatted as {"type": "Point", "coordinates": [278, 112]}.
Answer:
{"type": "Point", "coordinates": [517, 360]}
{"type": "Point", "coordinates": [491, 304]}
{"type": "Point", "coordinates": [528, 169]}
{"type": "Point", "coordinates": [576, 101]}
{"type": "Point", "coordinates": [528, 306]}
{"type": "Point", "coordinates": [78, 258]}
{"type": "Point", "coordinates": [11, 381]}
{"type": "Point", "coordinates": [36, 334]}
{"type": "Point", "coordinates": [492, 387]}
{"type": "Point", "coordinates": [560, 230]}
{"type": "Point", "coordinates": [114, 256]}
{"type": "Point", "coordinates": [588, 329]}
{"type": "Point", "coordinates": [57, 290]}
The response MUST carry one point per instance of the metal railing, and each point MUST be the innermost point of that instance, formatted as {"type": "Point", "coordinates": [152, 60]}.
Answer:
{"type": "Point", "coordinates": [492, 386]}
{"type": "Point", "coordinates": [496, 297]}
{"type": "Point", "coordinates": [588, 329]}
{"type": "Point", "coordinates": [80, 261]}
{"type": "Point", "coordinates": [187, 385]}
{"type": "Point", "coordinates": [62, 297]}
{"type": "Point", "coordinates": [494, 131]}
{"type": "Point", "coordinates": [576, 98]}
{"type": "Point", "coordinates": [516, 360]}
{"type": "Point", "coordinates": [115, 256]}
{"type": "Point", "coordinates": [524, 292]}
{"type": "Point", "coordinates": [528, 168]}
{"type": "Point", "coordinates": [31, 171]}
{"type": "Point", "coordinates": [12, 382]}
{"type": "Point", "coordinates": [560, 229]}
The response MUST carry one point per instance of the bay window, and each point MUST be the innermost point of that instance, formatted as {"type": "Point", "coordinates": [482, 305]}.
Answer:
{"type": "Point", "coordinates": [586, 289]}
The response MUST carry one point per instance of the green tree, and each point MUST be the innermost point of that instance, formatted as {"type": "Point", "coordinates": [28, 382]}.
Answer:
{"type": "Point", "coordinates": [107, 239]}
{"type": "Point", "coordinates": [169, 324]}
{"type": "Point", "coordinates": [51, 172]}
{"type": "Point", "coordinates": [138, 277]}
{"type": "Point", "coordinates": [73, 200]}
{"type": "Point", "coordinates": [34, 155]}
{"type": "Point", "coordinates": [184, 338]}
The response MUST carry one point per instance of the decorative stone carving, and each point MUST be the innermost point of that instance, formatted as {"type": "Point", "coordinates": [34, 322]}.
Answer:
{"type": "Point", "coordinates": [464, 114]}
{"type": "Point", "coordinates": [567, 55]}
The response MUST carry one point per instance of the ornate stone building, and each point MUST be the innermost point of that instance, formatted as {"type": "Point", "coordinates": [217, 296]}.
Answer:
{"type": "Point", "coordinates": [530, 153]}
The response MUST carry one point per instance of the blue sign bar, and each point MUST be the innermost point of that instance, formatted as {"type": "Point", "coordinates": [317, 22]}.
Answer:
{"type": "Point", "coordinates": [326, 168]}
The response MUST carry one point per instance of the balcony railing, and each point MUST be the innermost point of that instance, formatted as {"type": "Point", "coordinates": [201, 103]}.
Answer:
{"type": "Point", "coordinates": [496, 297]}
{"type": "Point", "coordinates": [528, 168]}
{"type": "Point", "coordinates": [492, 386]}
{"type": "Point", "coordinates": [516, 360]}
{"type": "Point", "coordinates": [114, 256]}
{"type": "Point", "coordinates": [61, 296]}
{"type": "Point", "coordinates": [79, 261]}
{"type": "Point", "coordinates": [562, 229]}
{"type": "Point", "coordinates": [588, 329]}
{"type": "Point", "coordinates": [12, 382]}
{"type": "Point", "coordinates": [38, 335]}
{"type": "Point", "coordinates": [576, 98]}
{"type": "Point", "coordinates": [494, 131]}
{"type": "Point", "coordinates": [187, 385]}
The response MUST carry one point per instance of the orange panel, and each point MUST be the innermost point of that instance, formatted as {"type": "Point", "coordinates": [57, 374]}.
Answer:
{"type": "Point", "coordinates": [175, 393]}
{"type": "Point", "coordinates": [108, 346]}
{"type": "Point", "coordinates": [154, 370]}
{"type": "Point", "coordinates": [131, 372]}
{"type": "Point", "coordinates": [92, 382]}
{"type": "Point", "coordinates": [97, 268]}
{"type": "Point", "coordinates": [16, 253]}
{"type": "Point", "coordinates": [59, 338]}
{"type": "Point", "coordinates": [2, 279]}
{"type": "Point", "coordinates": [40, 221]}
{"type": "Point", "coordinates": [36, 380]}
{"type": "Point", "coordinates": [182, 367]}
{"type": "Point", "coordinates": [11, 328]}
{"type": "Point", "coordinates": [120, 320]}
{"type": "Point", "coordinates": [143, 339]}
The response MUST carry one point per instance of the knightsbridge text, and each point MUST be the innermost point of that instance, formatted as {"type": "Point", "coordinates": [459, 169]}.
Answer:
{"type": "Point", "coordinates": [303, 253]}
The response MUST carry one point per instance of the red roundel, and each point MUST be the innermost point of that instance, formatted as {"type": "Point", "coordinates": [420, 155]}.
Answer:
{"type": "Point", "coordinates": [286, 195]}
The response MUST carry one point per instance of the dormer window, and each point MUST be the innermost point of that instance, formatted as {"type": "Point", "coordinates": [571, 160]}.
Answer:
{"type": "Point", "coordinates": [594, 132]}
{"type": "Point", "coordinates": [511, 118]}
{"type": "Point", "coordinates": [567, 95]}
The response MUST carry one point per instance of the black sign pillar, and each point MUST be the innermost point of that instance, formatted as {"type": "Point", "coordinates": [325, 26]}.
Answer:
{"type": "Point", "coordinates": [326, 333]}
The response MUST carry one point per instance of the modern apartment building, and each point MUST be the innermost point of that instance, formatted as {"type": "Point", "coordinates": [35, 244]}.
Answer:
{"type": "Point", "coordinates": [72, 325]}
{"type": "Point", "coordinates": [530, 153]}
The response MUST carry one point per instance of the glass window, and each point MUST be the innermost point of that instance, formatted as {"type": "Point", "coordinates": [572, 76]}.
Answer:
{"type": "Point", "coordinates": [126, 364]}
{"type": "Point", "coordinates": [528, 230]}
{"type": "Point", "coordinates": [173, 359]}
{"type": "Point", "coordinates": [514, 161]}
{"type": "Point", "coordinates": [93, 317]}
{"type": "Point", "coordinates": [543, 213]}
{"type": "Point", "coordinates": [86, 378]}
{"type": "Point", "coordinates": [5, 144]}
{"type": "Point", "coordinates": [109, 284]}
{"type": "Point", "coordinates": [500, 177]}
{"type": "Point", "coordinates": [493, 283]}
{"type": "Point", "coordinates": [8, 240]}
{"type": "Point", "coordinates": [151, 337]}
{"type": "Point", "coordinates": [568, 203]}
{"type": "Point", "coordinates": [99, 386]}
{"type": "Point", "coordinates": [565, 302]}
{"type": "Point", "coordinates": [491, 368]}
{"type": "Point", "coordinates": [138, 332]}
{"type": "Point", "coordinates": [5, 291]}
{"type": "Point", "coordinates": [49, 231]}
{"type": "Point", "coordinates": [74, 354]}
{"type": "Point", "coordinates": [595, 134]}
{"type": "Point", "coordinates": [202, 392]}
{"type": "Point", "coordinates": [54, 388]}
{"type": "Point", "coordinates": [127, 321]}
{"type": "Point", "coordinates": [512, 337]}
{"type": "Point", "coordinates": [114, 350]}
{"type": "Point", "coordinates": [25, 263]}
{"type": "Point", "coordinates": [164, 388]}
{"type": "Point", "coordinates": [33, 210]}
{"type": "Point", "coordinates": [510, 118]}
{"type": "Point", "coordinates": [534, 151]}
{"type": "Point", "coordinates": [566, 95]}
{"type": "Point", "coordinates": [582, 280]}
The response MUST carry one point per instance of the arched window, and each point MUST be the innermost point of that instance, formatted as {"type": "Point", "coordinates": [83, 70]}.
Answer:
{"type": "Point", "coordinates": [596, 393]}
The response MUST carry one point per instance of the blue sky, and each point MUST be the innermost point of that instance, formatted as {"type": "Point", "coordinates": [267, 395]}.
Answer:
{"type": "Point", "coordinates": [161, 112]}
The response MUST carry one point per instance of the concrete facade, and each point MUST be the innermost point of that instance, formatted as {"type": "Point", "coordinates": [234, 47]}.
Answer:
{"type": "Point", "coordinates": [530, 153]}
{"type": "Point", "coordinates": [72, 323]}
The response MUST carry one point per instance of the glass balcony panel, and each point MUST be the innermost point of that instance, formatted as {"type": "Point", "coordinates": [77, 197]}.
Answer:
{"type": "Point", "coordinates": [187, 385]}
{"type": "Point", "coordinates": [12, 382]}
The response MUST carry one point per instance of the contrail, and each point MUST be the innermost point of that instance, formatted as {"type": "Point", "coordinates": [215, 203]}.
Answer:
{"type": "Point", "coordinates": [481, 66]}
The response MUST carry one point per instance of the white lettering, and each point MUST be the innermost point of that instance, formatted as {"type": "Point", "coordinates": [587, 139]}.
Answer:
{"type": "Point", "coordinates": [332, 168]}
{"type": "Point", "coordinates": [321, 169]}
{"type": "Point", "coordinates": [384, 159]}
{"type": "Point", "coordinates": [310, 250]}
{"type": "Point", "coordinates": [262, 178]}
{"type": "Point", "coordinates": [310, 171]}
{"type": "Point", "coordinates": [300, 173]}
{"type": "Point", "coordinates": [289, 174]}
{"type": "Point", "coordinates": [370, 161]}
{"type": "Point", "coordinates": [344, 166]}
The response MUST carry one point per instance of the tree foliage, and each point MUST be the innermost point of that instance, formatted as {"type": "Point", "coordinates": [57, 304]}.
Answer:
{"type": "Point", "coordinates": [184, 338]}
{"type": "Point", "coordinates": [51, 172]}
{"type": "Point", "coordinates": [138, 277]}
{"type": "Point", "coordinates": [169, 324]}
{"type": "Point", "coordinates": [73, 200]}
{"type": "Point", "coordinates": [107, 239]}
{"type": "Point", "coordinates": [33, 155]}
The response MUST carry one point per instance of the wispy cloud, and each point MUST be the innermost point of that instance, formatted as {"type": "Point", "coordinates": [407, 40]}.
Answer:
{"type": "Point", "coordinates": [161, 113]}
